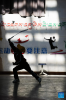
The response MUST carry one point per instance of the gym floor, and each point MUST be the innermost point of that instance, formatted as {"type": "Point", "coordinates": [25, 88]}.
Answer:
{"type": "Point", "coordinates": [29, 89]}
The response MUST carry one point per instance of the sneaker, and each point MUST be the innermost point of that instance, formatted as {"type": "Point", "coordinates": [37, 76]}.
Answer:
{"type": "Point", "coordinates": [39, 80]}
{"type": "Point", "coordinates": [16, 81]}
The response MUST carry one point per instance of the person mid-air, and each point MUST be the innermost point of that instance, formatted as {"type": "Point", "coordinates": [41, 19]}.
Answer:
{"type": "Point", "coordinates": [51, 42]}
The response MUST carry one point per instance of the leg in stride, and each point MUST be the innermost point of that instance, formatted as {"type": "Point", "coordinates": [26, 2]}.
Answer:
{"type": "Point", "coordinates": [16, 78]}
{"type": "Point", "coordinates": [27, 67]}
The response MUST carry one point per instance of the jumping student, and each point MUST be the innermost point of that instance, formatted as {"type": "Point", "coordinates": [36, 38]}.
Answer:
{"type": "Point", "coordinates": [51, 42]}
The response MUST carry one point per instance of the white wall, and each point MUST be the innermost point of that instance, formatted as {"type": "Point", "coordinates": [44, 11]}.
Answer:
{"type": "Point", "coordinates": [55, 14]}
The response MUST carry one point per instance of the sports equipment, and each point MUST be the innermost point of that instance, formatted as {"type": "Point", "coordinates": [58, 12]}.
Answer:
{"type": "Point", "coordinates": [17, 33]}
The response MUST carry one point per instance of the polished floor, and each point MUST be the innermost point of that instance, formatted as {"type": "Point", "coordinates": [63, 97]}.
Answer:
{"type": "Point", "coordinates": [30, 89]}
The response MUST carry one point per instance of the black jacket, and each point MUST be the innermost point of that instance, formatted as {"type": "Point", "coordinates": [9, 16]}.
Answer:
{"type": "Point", "coordinates": [17, 54]}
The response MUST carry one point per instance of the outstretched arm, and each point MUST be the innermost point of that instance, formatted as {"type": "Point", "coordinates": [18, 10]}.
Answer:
{"type": "Point", "coordinates": [11, 45]}
{"type": "Point", "coordinates": [45, 38]}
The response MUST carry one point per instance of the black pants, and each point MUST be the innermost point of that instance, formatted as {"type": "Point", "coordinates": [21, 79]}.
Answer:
{"type": "Point", "coordinates": [25, 66]}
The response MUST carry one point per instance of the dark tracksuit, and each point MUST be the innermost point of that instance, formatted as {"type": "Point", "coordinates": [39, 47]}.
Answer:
{"type": "Point", "coordinates": [20, 62]}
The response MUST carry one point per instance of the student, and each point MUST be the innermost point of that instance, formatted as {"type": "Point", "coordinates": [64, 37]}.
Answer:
{"type": "Point", "coordinates": [51, 42]}
{"type": "Point", "coordinates": [21, 62]}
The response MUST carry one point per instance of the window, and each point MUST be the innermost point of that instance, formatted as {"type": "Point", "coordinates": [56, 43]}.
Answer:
{"type": "Point", "coordinates": [23, 7]}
